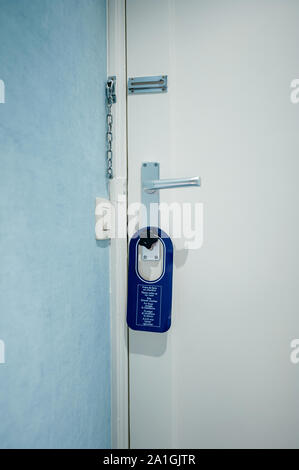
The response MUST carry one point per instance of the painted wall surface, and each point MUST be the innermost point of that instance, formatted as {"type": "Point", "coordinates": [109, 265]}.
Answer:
{"type": "Point", "coordinates": [54, 276]}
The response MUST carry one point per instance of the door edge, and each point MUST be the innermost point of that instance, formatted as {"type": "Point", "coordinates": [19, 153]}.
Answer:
{"type": "Point", "coordinates": [116, 65]}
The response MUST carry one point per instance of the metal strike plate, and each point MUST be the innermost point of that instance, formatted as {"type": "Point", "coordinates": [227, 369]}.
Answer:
{"type": "Point", "coordinates": [155, 84]}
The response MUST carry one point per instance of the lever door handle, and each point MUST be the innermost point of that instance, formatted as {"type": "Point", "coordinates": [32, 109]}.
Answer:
{"type": "Point", "coordinates": [151, 186]}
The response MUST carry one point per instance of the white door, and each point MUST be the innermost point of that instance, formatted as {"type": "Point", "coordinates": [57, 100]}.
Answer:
{"type": "Point", "coordinates": [222, 376]}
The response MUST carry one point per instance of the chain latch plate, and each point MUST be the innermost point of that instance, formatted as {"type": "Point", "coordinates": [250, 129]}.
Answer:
{"type": "Point", "coordinates": [110, 89]}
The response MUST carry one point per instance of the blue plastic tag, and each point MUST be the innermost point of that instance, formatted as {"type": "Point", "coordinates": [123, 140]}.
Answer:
{"type": "Point", "coordinates": [149, 302]}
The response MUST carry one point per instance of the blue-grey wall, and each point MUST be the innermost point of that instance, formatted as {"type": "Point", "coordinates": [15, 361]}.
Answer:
{"type": "Point", "coordinates": [54, 280]}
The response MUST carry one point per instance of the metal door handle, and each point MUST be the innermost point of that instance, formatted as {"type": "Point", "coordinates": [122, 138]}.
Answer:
{"type": "Point", "coordinates": [151, 186]}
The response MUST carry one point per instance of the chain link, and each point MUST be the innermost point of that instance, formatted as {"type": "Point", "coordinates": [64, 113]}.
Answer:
{"type": "Point", "coordinates": [110, 99]}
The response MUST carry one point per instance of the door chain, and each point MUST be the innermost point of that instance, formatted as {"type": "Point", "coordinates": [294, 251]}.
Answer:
{"type": "Point", "coordinates": [110, 100]}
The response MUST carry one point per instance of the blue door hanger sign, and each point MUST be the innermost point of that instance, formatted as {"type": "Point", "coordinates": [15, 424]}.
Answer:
{"type": "Point", "coordinates": [149, 302]}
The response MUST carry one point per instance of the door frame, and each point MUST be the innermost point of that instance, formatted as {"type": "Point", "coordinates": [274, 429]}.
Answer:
{"type": "Point", "coordinates": [117, 65]}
